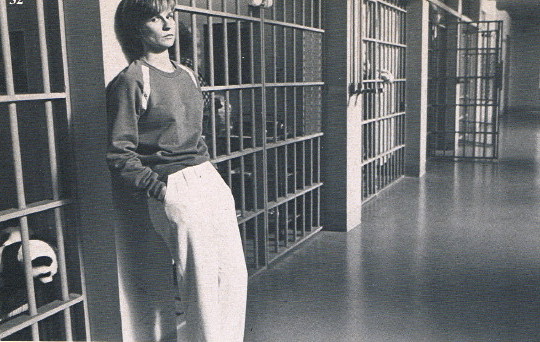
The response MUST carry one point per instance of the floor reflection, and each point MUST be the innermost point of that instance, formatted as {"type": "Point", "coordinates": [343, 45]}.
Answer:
{"type": "Point", "coordinates": [452, 257]}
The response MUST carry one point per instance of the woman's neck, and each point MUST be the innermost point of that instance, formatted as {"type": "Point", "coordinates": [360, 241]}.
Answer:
{"type": "Point", "coordinates": [160, 60]}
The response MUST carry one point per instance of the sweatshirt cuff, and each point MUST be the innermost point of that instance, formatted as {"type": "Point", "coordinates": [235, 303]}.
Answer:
{"type": "Point", "coordinates": [157, 191]}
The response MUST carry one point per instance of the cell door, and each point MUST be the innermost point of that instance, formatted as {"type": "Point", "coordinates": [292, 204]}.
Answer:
{"type": "Point", "coordinates": [41, 285]}
{"type": "Point", "coordinates": [262, 81]}
{"type": "Point", "coordinates": [383, 93]}
{"type": "Point", "coordinates": [468, 127]}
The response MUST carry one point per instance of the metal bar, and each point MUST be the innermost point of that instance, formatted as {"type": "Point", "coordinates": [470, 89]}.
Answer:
{"type": "Point", "coordinates": [450, 10]}
{"type": "Point", "coordinates": [195, 33]}
{"type": "Point", "coordinates": [295, 84]}
{"type": "Point", "coordinates": [264, 130]}
{"type": "Point", "coordinates": [390, 151]}
{"type": "Point", "coordinates": [46, 311]}
{"type": "Point", "coordinates": [17, 161]}
{"type": "Point", "coordinates": [227, 93]}
{"type": "Point", "coordinates": [295, 188]}
{"type": "Point", "coordinates": [318, 181]}
{"type": "Point", "coordinates": [303, 12]}
{"type": "Point", "coordinates": [31, 97]}
{"type": "Point", "coordinates": [220, 14]}
{"type": "Point", "coordinates": [239, 76]}
{"type": "Point", "coordinates": [210, 23]}
{"type": "Point", "coordinates": [177, 51]}
{"type": "Point", "coordinates": [256, 241]}
{"type": "Point", "coordinates": [255, 209]}
{"type": "Point", "coordinates": [294, 196]}
{"type": "Point", "coordinates": [311, 181]}
{"type": "Point", "coordinates": [312, 14]}
{"type": "Point", "coordinates": [32, 208]}
{"type": "Point", "coordinates": [294, 140]}
{"type": "Point", "coordinates": [243, 185]}
{"type": "Point", "coordinates": [252, 80]}
{"type": "Point", "coordinates": [53, 164]}
{"type": "Point", "coordinates": [286, 181]}
{"type": "Point", "coordinates": [303, 187]}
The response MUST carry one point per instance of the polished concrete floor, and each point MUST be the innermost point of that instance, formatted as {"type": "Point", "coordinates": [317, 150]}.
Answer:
{"type": "Point", "coordinates": [454, 256]}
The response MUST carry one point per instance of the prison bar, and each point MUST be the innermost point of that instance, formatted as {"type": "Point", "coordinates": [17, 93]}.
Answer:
{"type": "Point", "coordinates": [53, 167]}
{"type": "Point", "coordinates": [473, 133]}
{"type": "Point", "coordinates": [54, 205]}
{"type": "Point", "coordinates": [383, 51]}
{"type": "Point", "coordinates": [280, 153]}
{"type": "Point", "coordinates": [17, 161]}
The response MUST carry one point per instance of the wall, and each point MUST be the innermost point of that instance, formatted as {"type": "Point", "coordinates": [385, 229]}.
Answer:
{"type": "Point", "coordinates": [94, 200]}
{"type": "Point", "coordinates": [525, 64]}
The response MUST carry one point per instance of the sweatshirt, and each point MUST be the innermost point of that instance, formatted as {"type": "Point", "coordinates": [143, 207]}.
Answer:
{"type": "Point", "coordinates": [148, 145]}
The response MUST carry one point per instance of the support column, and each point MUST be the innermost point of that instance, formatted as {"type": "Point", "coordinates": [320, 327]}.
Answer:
{"type": "Point", "coordinates": [341, 154]}
{"type": "Point", "coordinates": [93, 187]}
{"type": "Point", "coordinates": [416, 92]}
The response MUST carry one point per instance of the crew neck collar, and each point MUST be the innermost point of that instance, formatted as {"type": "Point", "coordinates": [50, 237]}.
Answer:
{"type": "Point", "coordinates": [162, 72]}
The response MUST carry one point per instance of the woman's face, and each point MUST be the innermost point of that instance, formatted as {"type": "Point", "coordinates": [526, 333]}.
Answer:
{"type": "Point", "coordinates": [157, 33]}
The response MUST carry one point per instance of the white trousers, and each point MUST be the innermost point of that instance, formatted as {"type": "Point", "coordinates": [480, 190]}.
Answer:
{"type": "Point", "coordinates": [204, 240]}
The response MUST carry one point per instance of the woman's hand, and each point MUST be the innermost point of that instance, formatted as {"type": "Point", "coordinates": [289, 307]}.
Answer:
{"type": "Point", "coordinates": [161, 196]}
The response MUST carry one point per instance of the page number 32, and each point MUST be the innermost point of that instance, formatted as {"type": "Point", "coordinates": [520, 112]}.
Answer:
{"type": "Point", "coordinates": [16, 2]}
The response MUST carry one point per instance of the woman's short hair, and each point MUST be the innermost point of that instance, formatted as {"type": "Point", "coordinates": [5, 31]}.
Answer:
{"type": "Point", "coordinates": [130, 15]}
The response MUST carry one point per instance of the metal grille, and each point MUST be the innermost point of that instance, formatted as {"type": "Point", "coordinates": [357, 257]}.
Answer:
{"type": "Point", "coordinates": [261, 75]}
{"type": "Point", "coordinates": [35, 191]}
{"type": "Point", "coordinates": [465, 81]}
{"type": "Point", "coordinates": [383, 88]}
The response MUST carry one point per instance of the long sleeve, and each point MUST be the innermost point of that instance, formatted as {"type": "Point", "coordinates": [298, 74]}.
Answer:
{"type": "Point", "coordinates": [124, 96]}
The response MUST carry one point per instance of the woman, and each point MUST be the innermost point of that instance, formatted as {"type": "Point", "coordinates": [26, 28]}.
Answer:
{"type": "Point", "coordinates": [156, 110]}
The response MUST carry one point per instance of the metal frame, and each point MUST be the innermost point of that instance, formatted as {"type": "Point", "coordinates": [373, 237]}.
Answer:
{"type": "Point", "coordinates": [464, 84]}
{"type": "Point", "coordinates": [265, 138]}
{"type": "Point", "coordinates": [383, 121]}
{"type": "Point", "coordinates": [56, 205]}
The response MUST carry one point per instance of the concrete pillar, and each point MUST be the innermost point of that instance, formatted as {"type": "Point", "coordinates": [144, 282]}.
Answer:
{"type": "Point", "coordinates": [95, 217]}
{"type": "Point", "coordinates": [144, 264]}
{"type": "Point", "coordinates": [416, 93]}
{"type": "Point", "coordinates": [341, 154]}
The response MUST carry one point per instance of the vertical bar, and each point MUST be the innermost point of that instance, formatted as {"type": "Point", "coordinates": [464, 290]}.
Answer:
{"type": "Point", "coordinates": [243, 186]}
{"type": "Point", "coordinates": [239, 76]}
{"type": "Point", "coordinates": [17, 164]}
{"type": "Point", "coordinates": [252, 80]}
{"type": "Point", "coordinates": [53, 164]}
{"type": "Point", "coordinates": [195, 35]}
{"type": "Point", "coordinates": [319, 19]}
{"type": "Point", "coordinates": [319, 181]}
{"type": "Point", "coordinates": [210, 22]}
{"type": "Point", "coordinates": [227, 81]}
{"type": "Point", "coordinates": [497, 101]}
{"type": "Point", "coordinates": [264, 150]}
{"type": "Point", "coordinates": [304, 179]}
{"type": "Point", "coordinates": [256, 206]}
{"type": "Point", "coordinates": [286, 181]}
{"type": "Point", "coordinates": [312, 182]}
{"type": "Point", "coordinates": [303, 13]}
{"type": "Point", "coordinates": [177, 51]}
{"type": "Point", "coordinates": [312, 14]}
{"type": "Point", "coordinates": [256, 242]}
{"type": "Point", "coordinates": [295, 183]}
{"type": "Point", "coordinates": [285, 75]}
{"type": "Point", "coordinates": [274, 70]}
